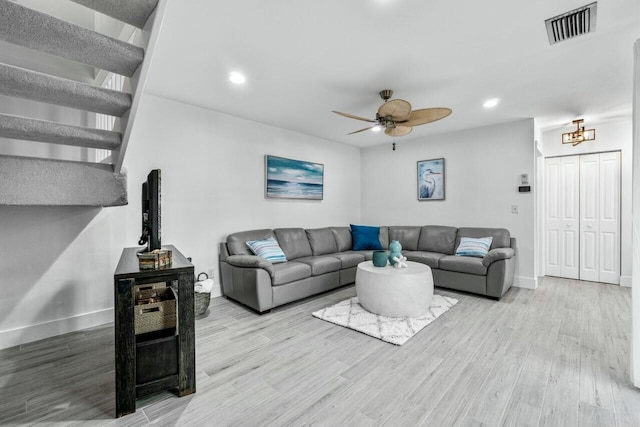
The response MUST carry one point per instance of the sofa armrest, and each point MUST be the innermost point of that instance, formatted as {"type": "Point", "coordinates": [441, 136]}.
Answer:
{"type": "Point", "coordinates": [250, 261]}
{"type": "Point", "coordinates": [497, 254]}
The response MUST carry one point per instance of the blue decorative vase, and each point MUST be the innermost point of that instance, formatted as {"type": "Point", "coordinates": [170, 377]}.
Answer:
{"type": "Point", "coordinates": [379, 258]}
{"type": "Point", "coordinates": [395, 249]}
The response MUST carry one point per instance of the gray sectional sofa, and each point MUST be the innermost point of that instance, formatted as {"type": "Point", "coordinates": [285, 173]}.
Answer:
{"type": "Point", "coordinates": [322, 259]}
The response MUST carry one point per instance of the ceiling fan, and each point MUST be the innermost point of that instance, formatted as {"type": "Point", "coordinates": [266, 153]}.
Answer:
{"type": "Point", "coordinates": [396, 117]}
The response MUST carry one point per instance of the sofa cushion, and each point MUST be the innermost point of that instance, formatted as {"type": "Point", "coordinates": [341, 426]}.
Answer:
{"type": "Point", "coordinates": [267, 249]}
{"type": "Point", "coordinates": [343, 238]}
{"type": "Point", "coordinates": [237, 242]}
{"type": "Point", "coordinates": [428, 258]}
{"type": "Point", "coordinates": [501, 236]}
{"type": "Point", "coordinates": [462, 264]}
{"type": "Point", "coordinates": [349, 259]}
{"type": "Point", "coordinates": [474, 247]}
{"type": "Point", "coordinates": [408, 236]}
{"type": "Point", "coordinates": [365, 237]}
{"type": "Point", "coordinates": [368, 255]}
{"type": "Point", "coordinates": [288, 272]}
{"type": "Point", "coordinates": [321, 264]}
{"type": "Point", "coordinates": [293, 242]}
{"type": "Point", "coordinates": [322, 241]}
{"type": "Point", "coordinates": [384, 237]}
{"type": "Point", "coordinates": [438, 238]}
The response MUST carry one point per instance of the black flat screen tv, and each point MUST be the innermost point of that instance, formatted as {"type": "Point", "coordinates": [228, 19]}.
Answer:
{"type": "Point", "coordinates": [151, 190]}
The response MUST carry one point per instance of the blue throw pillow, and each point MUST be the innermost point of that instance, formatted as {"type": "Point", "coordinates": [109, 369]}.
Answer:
{"type": "Point", "coordinates": [365, 237]}
{"type": "Point", "coordinates": [268, 249]}
{"type": "Point", "coordinates": [474, 247]}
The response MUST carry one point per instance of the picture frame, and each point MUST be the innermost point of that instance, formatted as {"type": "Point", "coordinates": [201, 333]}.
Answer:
{"type": "Point", "coordinates": [431, 179]}
{"type": "Point", "coordinates": [293, 179]}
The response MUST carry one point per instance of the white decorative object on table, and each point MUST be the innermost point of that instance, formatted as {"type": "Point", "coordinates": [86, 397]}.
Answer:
{"type": "Point", "coordinates": [400, 261]}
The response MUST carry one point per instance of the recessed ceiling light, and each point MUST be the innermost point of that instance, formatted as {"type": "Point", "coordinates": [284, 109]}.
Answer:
{"type": "Point", "coordinates": [236, 77]}
{"type": "Point", "coordinates": [490, 103]}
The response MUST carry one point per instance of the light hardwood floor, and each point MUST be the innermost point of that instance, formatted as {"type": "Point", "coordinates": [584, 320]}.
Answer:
{"type": "Point", "coordinates": [557, 356]}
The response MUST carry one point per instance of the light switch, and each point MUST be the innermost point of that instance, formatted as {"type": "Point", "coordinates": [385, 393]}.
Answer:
{"type": "Point", "coordinates": [514, 209]}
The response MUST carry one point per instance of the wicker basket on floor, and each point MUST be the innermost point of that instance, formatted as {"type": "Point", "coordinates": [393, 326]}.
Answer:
{"type": "Point", "coordinates": [202, 299]}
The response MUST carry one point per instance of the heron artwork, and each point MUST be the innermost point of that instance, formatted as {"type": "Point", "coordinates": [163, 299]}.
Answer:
{"type": "Point", "coordinates": [431, 179]}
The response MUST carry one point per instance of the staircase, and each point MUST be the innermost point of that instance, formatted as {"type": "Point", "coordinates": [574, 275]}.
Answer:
{"type": "Point", "coordinates": [54, 181]}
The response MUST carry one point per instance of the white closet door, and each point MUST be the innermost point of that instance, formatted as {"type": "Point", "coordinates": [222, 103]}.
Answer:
{"type": "Point", "coordinates": [609, 215]}
{"type": "Point", "coordinates": [553, 223]}
{"type": "Point", "coordinates": [590, 217]}
{"type": "Point", "coordinates": [562, 219]}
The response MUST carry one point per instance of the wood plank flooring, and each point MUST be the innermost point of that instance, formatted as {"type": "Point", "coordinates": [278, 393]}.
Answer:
{"type": "Point", "coordinates": [557, 356]}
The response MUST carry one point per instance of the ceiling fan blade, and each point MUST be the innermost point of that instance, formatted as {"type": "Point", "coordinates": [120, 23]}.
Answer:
{"type": "Point", "coordinates": [426, 115]}
{"type": "Point", "coordinates": [398, 109]}
{"type": "Point", "coordinates": [351, 116]}
{"type": "Point", "coordinates": [399, 130]}
{"type": "Point", "coordinates": [361, 130]}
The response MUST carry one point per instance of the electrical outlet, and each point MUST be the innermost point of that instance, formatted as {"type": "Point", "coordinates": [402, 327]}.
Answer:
{"type": "Point", "coordinates": [211, 272]}
{"type": "Point", "coordinates": [514, 209]}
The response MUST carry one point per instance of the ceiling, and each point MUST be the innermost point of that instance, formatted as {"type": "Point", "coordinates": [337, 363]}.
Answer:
{"type": "Point", "coordinates": [304, 58]}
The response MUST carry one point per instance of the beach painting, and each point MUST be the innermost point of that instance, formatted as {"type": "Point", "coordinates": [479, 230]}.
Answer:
{"type": "Point", "coordinates": [431, 179]}
{"type": "Point", "coordinates": [293, 179]}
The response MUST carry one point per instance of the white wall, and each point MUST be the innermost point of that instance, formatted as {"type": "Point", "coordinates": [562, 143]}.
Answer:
{"type": "Point", "coordinates": [57, 264]}
{"type": "Point", "coordinates": [635, 293]}
{"type": "Point", "coordinates": [610, 136]}
{"type": "Point", "coordinates": [483, 168]}
{"type": "Point", "coordinates": [213, 177]}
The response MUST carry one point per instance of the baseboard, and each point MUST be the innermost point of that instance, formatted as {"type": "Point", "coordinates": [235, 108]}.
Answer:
{"type": "Point", "coordinates": [216, 291]}
{"type": "Point", "coordinates": [625, 281]}
{"type": "Point", "coordinates": [525, 282]}
{"type": "Point", "coordinates": [26, 334]}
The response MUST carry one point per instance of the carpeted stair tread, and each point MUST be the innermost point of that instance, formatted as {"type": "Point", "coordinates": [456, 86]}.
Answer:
{"type": "Point", "coordinates": [134, 12]}
{"type": "Point", "coordinates": [27, 181]}
{"type": "Point", "coordinates": [22, 128]}
{"type": "Point", "coordinates": [25, 27]}
{"type": "Point", "coordinates": [28, 84]}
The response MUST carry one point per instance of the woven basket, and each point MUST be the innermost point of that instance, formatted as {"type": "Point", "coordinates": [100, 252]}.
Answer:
{"type": "Point", "coordinates": [202, 299]}
{"type": "Point", "coordinates": [155, 310]}
{"type": "Point", "coordinates": [144, 291]}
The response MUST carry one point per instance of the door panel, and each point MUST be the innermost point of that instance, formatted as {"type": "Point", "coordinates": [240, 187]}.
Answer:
{"type": "Point", "coordinates": [589, 214]}
{"type": "Point", "coordinates": [569, 200]}
{"type": "Point", "coordinates": [553, 223]}
{"type": "Point", "coordinates": [561, 218]}
{"type": "Point", "coordinates": [609, 215]}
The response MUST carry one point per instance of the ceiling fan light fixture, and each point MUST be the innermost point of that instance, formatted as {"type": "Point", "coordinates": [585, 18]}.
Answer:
{"type": "Point", "coordinates": [397, 117]}
{"type": "Point", "coordinates": [490, 103]}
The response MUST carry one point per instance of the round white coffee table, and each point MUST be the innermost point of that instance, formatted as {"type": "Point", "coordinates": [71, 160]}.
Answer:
{"type": "Point", "coordinates": [391, 292]}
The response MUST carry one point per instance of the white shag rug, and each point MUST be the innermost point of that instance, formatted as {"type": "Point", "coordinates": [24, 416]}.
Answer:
{"type": "Point", "coordinates": [395, 330]}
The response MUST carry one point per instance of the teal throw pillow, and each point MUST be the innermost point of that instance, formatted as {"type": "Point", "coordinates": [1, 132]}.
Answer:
{"type": "Point", "coordinates": [365, 237]}
{"type": "Point", "coordinates": [268, 249]}
{"type": "Point", "coordinates": [474, 247]}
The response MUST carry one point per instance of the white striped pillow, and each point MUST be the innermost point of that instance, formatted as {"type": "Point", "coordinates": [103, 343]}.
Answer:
{"type": "Point", "coordinates": [474, 247]}
{"type": "Point", "coordinates": [268, 249]}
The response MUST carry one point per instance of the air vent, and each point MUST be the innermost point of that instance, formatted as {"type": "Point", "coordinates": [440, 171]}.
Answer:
{"type": "Point", "coordinates": [572, 24]}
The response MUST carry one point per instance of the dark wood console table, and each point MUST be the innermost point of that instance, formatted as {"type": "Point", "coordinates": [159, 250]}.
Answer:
{"type": "Point", "coordinates": [154, 361]}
